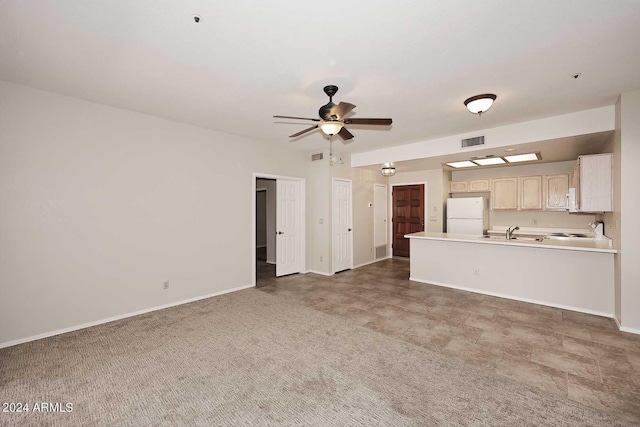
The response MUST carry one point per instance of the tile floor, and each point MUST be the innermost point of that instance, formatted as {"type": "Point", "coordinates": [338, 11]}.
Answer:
{"type": "Point", "coordinates": [575, 355]}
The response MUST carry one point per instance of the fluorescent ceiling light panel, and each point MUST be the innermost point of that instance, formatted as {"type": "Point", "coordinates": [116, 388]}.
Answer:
{"type": "Point", "coordinates": [522, 158]}
{"type": "Point", "coordinates": [490, 161]}
{"type": "Point", "coordinates": [463, 164]}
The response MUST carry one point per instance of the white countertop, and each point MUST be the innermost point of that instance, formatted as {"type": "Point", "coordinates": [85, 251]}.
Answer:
{"type": "Point", "coordinates": [588, 245]}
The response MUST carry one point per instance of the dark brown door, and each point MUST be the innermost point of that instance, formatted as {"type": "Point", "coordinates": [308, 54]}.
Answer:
{"type": "Point", "coordinates": [408, 216]}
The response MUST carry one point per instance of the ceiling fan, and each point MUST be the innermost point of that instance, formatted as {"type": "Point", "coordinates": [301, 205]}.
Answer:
{"type": "Point", "coordinates": [332, 118]}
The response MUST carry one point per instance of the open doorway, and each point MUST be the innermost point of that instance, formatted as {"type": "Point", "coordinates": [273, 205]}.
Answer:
{"type": "Point", "coordinates": [265, 229]}
{"type": "Point", "coordinates": [278, 227]}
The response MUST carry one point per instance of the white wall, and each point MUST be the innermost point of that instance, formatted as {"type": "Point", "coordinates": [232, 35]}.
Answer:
{"type": "Point", "coordinates": [526, 218]}
{"type": "Point", "coordinates": [270, 185]}
{"type": "Point", "coordinates": [319, 215]}
{"type": "Point", "coordinates": [363, 216]}
{"type": "Point", "coordinates": [612, 219]}
{"type": "Point", "coordinates": [319, 237]}
{"type": "Point", "coordinates": [629, 208]}
{"type": "Point", "coordinates": [100, 205]}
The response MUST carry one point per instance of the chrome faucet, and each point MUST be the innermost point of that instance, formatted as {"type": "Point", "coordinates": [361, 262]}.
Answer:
{"type": "Point", "coordinates": [511, 230]}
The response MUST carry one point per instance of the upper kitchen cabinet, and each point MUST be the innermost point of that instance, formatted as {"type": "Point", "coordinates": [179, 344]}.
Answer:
{"type": "Point", "coordinates": [530, 192]}
{"type": "Point", "coordinates": [555, 192]}
{"type": "Point", "coordinates": [474, 186]}
{"type": "Point", "coordinates": [593, 183]}
{"type": "Point", "coordinates": [479, 185]}
{"type": "Point", "coordinates": [458, 186]}
{"type": "Point", "coordinates": [504, 193]}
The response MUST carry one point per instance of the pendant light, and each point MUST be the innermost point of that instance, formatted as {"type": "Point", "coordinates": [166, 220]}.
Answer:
{"type": "Point", "coordinates": [388, 169]}
{"type": "Point", "coordinates": [480, 103]}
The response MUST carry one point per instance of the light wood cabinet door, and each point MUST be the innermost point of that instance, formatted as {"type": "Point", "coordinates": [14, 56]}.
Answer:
{"type": "Point", "coordinates": [530, 192]}
{"type": "Point", "coordinates": [479, 185]}
{"type": "Point", "coordinates": [596, 183]}
{"type": "Point", "coordinates": [555, 188]}
{"type": "Point", "coordinates": [504, 193]}
{"type": "Point", "coordinates": [459, 186]}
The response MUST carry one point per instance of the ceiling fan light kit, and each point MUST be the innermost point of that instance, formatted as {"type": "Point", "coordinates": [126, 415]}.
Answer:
{"type": "Point", "coordinates": [331, 127]}
{"type": "Point", "coordinates": [388, 169]}
{"type": "Point", "coordinates": [332, 118]}
{"type": "Point", "coordinates": [480, 103]}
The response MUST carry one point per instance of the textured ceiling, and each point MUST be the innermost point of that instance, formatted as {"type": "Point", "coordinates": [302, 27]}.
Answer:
{"type": "Point", "coordinates": [246, 61]}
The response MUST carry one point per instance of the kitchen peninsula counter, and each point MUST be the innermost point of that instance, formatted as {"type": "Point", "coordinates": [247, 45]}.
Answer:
{"type": "Point", "coordinates": [575, 244]}
{"type": "Point", "coordinates": [575, 275]}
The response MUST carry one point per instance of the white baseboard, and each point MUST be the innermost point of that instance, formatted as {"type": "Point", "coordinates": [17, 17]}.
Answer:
{"type": "Point", "coordinates": [617, 322]}
{"type": "Point", "coordinates": [532, 301]}
{"type": "Point", "coordinates": [370, 262]}
{"type": "Point", "coordinates": [629, 330]}
{"type": "Point", "coordinates": [354, 267]}
{"type": "Point", "coordinates": [119, 317]}
{"type": "Point", "coordinates": [318, 272]}
{"type": "Point", "coordinates": [624, 328]}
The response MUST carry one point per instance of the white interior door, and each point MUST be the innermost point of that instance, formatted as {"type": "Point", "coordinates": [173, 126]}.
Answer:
{"type": "Point", "coordinates": [341, 227]}
{"type": "Point", "coordinates": [380, 215]}
{"type": "Point", "coordinates": [288, 231]}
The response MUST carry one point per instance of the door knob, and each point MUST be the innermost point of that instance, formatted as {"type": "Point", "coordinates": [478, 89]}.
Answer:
{"type": "Point", "coordinates": [280, 232]}
{"type": "Point", "coordinates": [349, 230]}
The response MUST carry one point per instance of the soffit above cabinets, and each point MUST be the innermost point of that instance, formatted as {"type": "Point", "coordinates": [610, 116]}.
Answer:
{"type": "Point", "coordinates": [555, 150]}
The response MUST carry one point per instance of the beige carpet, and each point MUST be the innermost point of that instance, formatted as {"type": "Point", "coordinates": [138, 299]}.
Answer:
{"type": "Point", "coordinates": [249, 358]}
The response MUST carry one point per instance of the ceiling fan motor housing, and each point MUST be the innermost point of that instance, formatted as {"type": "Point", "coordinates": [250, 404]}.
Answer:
{"type": "Point", "coordinates": [325, 111]}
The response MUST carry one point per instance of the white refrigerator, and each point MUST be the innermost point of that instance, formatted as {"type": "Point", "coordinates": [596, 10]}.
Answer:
{"type": "Point", "coordinates": [467, 215]}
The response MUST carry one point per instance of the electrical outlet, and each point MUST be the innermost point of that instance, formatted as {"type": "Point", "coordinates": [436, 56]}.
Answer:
{"type": "Point", "coordinates": [476, 271]}
{"type": "Point", "coordinates": [165, 284]}
{"type": "Point", "coordinates": [534, 222]}
{"type": "Point", "coordinates": [321, 260]}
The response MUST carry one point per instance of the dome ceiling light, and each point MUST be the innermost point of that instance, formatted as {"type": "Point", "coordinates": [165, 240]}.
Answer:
{"type": "Point", "coordinates": [480, 103]}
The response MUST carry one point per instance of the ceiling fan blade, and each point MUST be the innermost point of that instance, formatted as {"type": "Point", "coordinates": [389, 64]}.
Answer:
{"type": "Point", "coordinates": [379, 122]}
{"type": "Point", "coordinates": [341, 109]}
{"type": "Point", "coordinates": [303, 131]}
{"type": "Point", "coordinates": [297, 118]}
{"type": "Point", "coordinates": [345, 134]}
